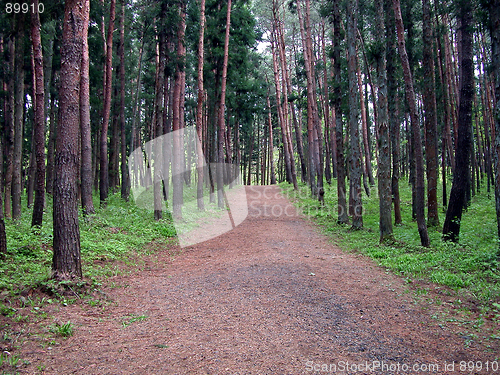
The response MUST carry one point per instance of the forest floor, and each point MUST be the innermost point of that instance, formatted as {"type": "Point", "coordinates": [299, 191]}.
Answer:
{"type": "Point", "coordinates": [272, 296]}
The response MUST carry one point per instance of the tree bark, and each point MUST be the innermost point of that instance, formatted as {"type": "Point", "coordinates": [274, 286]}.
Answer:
{"type": "Point", "coordinates": [461, 176]}
{"type": "Point", "coordinates": [39, 124]}
{"type": "Point", "coordinates": [384, 147]}
{"type": "Point", "coordinates": [176, 115]}
{"type": "Point", "coordinates": [199, 110]}
{"type": "Point", "coordinates": [343, 217]}
{"type": "Point", "coordinates": [3, 235]}
{"type": "Point", "coordinates": [367, 171]}
{"type": "Point", "coordinates": [66, 261]}
{"type": "Point", "coordinates": [392, 105]}
{"type": "Point", "coordinates": [271, 145]}
{"type": "Point", "coordinates": [19, 98]}
{"type": "Point", "coordinates": [280, 43]}
{"type": "Point", "coordinates": [430, 117]}
{"type": "Point", "coordinates": [222, 113]}
{"type": "Point", "coordinates": [314, 180]}
{"type": "Point", "coordinates": [85, 129]}
{"type": "Point", "coordinates": [104, 163]}
{"type": "Point", "coordinates": [280, 106]}
{"type": "Point", "coordinates": [419, 163]}
{"type": "Point", "coordinates": [9, 129]}
{"type": "Point", "coordinates": [355, 162]}
{"type": "Point", "coordinates": [495, 40]}
{"type": "Point", "coordinates": [125, 179]}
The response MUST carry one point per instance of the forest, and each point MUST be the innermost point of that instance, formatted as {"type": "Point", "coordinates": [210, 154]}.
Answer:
{"type": "Point", "coordinates": [352, 99]}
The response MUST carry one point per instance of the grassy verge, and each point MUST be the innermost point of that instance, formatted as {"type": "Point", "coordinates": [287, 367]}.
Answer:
{"type": "Point", "coordinates": [469, 270]}
{"type": "Point", "coordinates": [115, 233]}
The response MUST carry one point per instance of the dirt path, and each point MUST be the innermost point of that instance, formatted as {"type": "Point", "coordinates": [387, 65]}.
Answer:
{"type": "Point", "coordinates": [273, 296]}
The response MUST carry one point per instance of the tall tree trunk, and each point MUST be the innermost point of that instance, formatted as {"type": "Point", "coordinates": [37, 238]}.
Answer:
{"type": "Point", "coordinates": [158, 155]}
{"type": "Point", "coordinates": [104, 163]}
{"type": "Point", "coordinates": [280, 107]}
{"type": "Point", "coordinates": [311, 109]}
{"type": "Point", "coordinates": [123, 152]}
{"type": "Point", "coordinates": [495, 55]}
{"type": "Point", "coordinates": [85, 129]}
{"type": "Point", "coordinates": [355, 162]}
{"type": "Point", "coordinates": [384, 147]}
{"type": "Point", "coordinates": [222, 113]}
{"type": "Point", "coordinates": [280, 42]}
{"type": "Point", "coordinates": [419, 163]}
{"type": "Point", "coordinates": [199, 110]}
{"type": "Point", "coordinates": [3, 235]}
{"type": "Point", "coordinates": [461, 176]}
{"type": "Point", "coordinates": [9, 129]}
{"type": "Point", "coordinates": [430, 117]}
{"type": "Point", "coordinates": [392, 105]}
{"type": "Point", "coordinates": [367, 171]}
{"type": "Point", "coordinates": [271, 145]}
{"type": "Point", "coordinates": [343, 217]}
{"type": "Point", "coordinates": [39, 124]}
{"type": "Point", "coordinates": [135, 112]}
{"type": "Point", "coordinates": [17, 185]}
{"type": "Point", "coordinates": [176, 116]}
{"type": "Point", "coordinates": [66, 262]}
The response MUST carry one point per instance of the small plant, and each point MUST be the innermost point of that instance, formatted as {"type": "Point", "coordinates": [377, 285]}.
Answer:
{"type": "Point", "coordinates": [7, 310]}
{"type": "Point", "coordinates": [132, 319]}
{"type": "Point", "coordinates": [12, 360]}
{"type": "Point", "coordinates": [64, 330]}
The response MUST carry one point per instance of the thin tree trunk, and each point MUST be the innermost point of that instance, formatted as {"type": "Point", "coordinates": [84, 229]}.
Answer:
{"type": "Point", "coordinates": [271, 146]}
{"type": "Point", "coordinates": [392, 105]}
{"type": "Point", "coordinates": [66, 262]}
{"type": "Point", "coordinates": [158, 155]}
{"type": "Point", "coordinates": [222, 112]}
{"type": "Point", "coordinates": [280, 42]}
{"type": "Point", "coordinates": [39, 125]}
{"type": "Point", "coordinates": [281, 116]}
{"type": "Point", "coordinates": [104, 163]}
{"type": "Point", "coordinates": [176, 116]}
{"type": "Point", "coordinates": [419, 163]}
{"type": "Point", "coordinates": [9, 130]}
{"type": "Point", "coordinates": [343, 217]}
{"type": "Point", "coordinates": [18, 123]}
{"type": "Point", "coordinates": [51, 145]}
{"type": "Point", "coordinates": [3, 235]}
{"type": "Point", "coordinates": [461, 177]}
{"type": "Point", "coordinates": [85, 129]}
{"type": "Point", "coordinates": [384, 147]}
{"type": "Point", "coordinates": [355, 197]}
{"type": "Point", "coordinates": [364, 126]}
{"type": "Point", "coordinates": [495, 57]}
{"type": "Point", "coordinates": [430, 118]}
{"type": "Point", "coordinates": [199, 110]}
{"type": "Point", "coordinates": [123, 162]}
{"type": "Point", "coordinates": [311, 109]}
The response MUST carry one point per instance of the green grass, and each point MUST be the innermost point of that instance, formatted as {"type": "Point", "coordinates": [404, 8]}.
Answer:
{"type": "Point", "coordinates": [470, 268]}
{"type": "Point", "coordinates": [117, 232]}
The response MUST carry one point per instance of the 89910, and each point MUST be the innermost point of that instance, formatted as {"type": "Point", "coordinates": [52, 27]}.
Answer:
{"type": "Point", "coordinates": [24, 8]}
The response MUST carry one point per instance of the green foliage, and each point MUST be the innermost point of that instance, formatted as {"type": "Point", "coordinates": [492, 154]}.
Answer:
{"type": "Point", "coordinates": [471, 268]}
{"type": "Point", "coordinates": [63, 330]}
{"type": "Point", "coordinates": [128, 320]}
{"type": "Point", "coordinates": [113, 233]}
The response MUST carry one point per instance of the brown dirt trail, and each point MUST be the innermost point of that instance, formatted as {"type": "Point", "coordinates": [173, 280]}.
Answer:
{"type": "Point", "coordinates": [273, 296]}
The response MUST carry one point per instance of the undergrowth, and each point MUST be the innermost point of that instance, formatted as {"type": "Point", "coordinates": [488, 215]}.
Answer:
{"type": "Point", "coordinates": [118, 231]}
{"type": "Point", "coordinates": [470, 268]}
